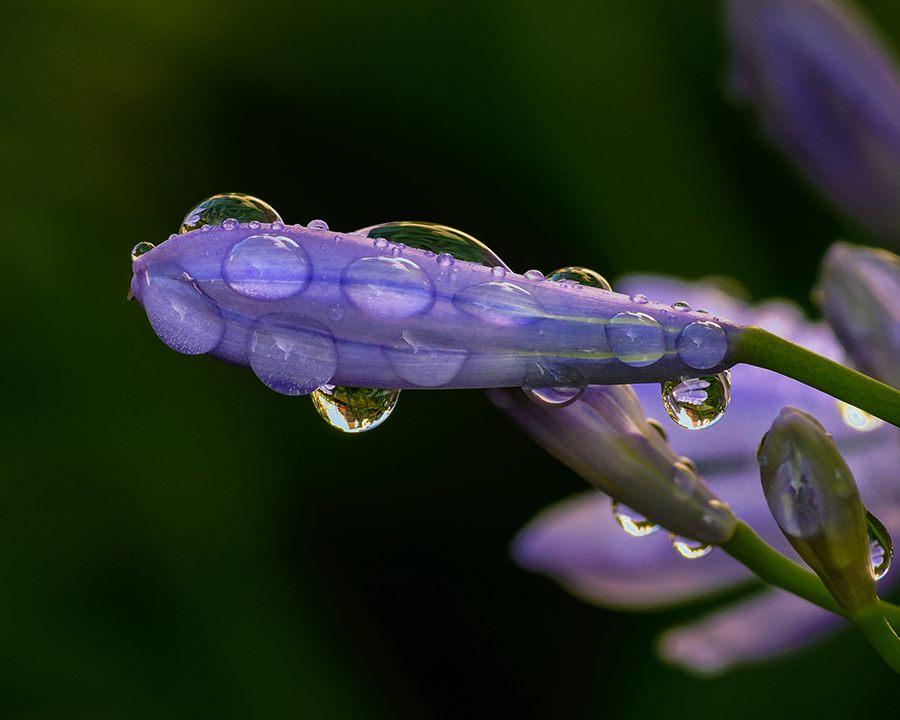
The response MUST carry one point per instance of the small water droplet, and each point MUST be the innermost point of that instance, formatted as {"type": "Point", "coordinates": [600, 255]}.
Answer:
{"type": "Point", "coordinates": [230, 224]}
{"type": "Point", "coordinates": [255, 224]}
{"type": "Point", "coordinates": [317, 225]}
{"type": "Point", "coordinates": [681, 305]}
{"type": "Point", "coordinates": [636, 338]}
{"type": "Point", "coordinates": [277, 226]}
{"type": "Point", "coordinates": [881, 548]}
{"type": "Point", "coordinates": [639, 299]}
{"type": "Point", "coordinates": [534, 275]}
{"type": "Point", "coordinates": [858, 419]}
{"type": "Point", "coordinates": [697, 403]}
{"type": "Point", "coordinates": [380, 243]}
{"type": "Point", "coordinates": [396, 250]}
{"type": "Point", "coordinates": [631, 522]}
{"type": "Point", "coordinates": [657, 425]}
{"type": "Point", "coordinates": [436, 239]}
{"type": "Point", "coordinates": [445, 260]}
{"type": "Point", "coordinates": [335, 312]}
{"type": "Point", "coordinates": [498, 271]}
{"type": "Point", "coordinates": [140, 249]}
{"type": "Point", "coordinates": [689, 548]}
{"type": "Point", "coordinates": [215, 210]}
{"type": "Point", "coordinates": [555, 396]}
{"type": "Point", "coordinates": [581, 276]}
{"type": "Point", "coordinates": [354, 410]}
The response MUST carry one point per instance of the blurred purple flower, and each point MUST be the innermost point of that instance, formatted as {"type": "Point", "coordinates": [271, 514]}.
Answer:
{"type": "Point", "coordinates": [581, 545]}
{"type": "Point", "coordinates": [826, 90]}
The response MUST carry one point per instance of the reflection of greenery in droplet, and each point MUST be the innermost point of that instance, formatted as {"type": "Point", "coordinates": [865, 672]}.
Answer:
{"type": "Point", "coordinates": [352, 409]}
{"type": "Point", "coordinates": [218, 208]}
{"type": "Point", "coordinates": [438, 239]}
{"type": "Point", "coordinates": [140, 249]}
{"type": "Point", "coordinates": [881, 547]}
{"type": "Point", "coordinates": [696, 403]}
{"type": "Point", "coordinates": [580, 275]}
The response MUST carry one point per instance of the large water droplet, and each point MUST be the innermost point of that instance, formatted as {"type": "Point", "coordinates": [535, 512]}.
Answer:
{"type": "Point", "coordinates": [702, 345]}
{"type": "Point", "coordinates": [631, 522]}
{"type": "Point", "coordinates": [184, 317]}
{"type": "Point", "coordinates": [689, 548]}
{"type": "Point", "coordinates": [636, 338]}
{"type": "Point", "coordinates": [354, 410]}
{"type": "Point", "coordinates": [697, 403]}
{"type": "Point", "coordinates": [579, 275]}
{"type": "Point", "coordinates": [140, 249]}
{"type": "Point", "coordinates": [881, 548]}
{"type": "Point", "coordinates": [217, 209]}
{"type": "Point", "coordinates": [267, 267]}
{"type": "Point", "coordinates": [435, 238]}
{"type": "Point", "coordinates": [424, 359]}
{"type": "Point", "coordinates": [499, 303]}
{"type": "Point", "coordinates": [292, 354]}
{"type": "Point", "coordinates": [858, 419]}
{"type": "Point", "coordinates": [388, 287]}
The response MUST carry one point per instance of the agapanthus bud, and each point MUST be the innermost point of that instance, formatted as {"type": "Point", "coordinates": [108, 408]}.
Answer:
{"type": "Point", "coordinates": [814, 499]}
{"type": "Point", "coordinates": [827, 92]}
{"type": "Point", "coordinates": [860, 294]}
{"type": "Point", "coordinates": [605, 437]}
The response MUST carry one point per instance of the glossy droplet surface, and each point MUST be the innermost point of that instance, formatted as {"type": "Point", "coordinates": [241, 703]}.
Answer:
{"type": "Point", "coordinates": [697, 403]}
{"type": "Point", "coordinates": [881, 548]}
{"type": "Point", "coordinates": [639, 299]}
{"type": "Point", "coordinates": [858, 419]}
{"type": "Point", "coordinates": [499, 303]}
{"type": "Point", "coordinates": [317, 225]}
{"type": "Point", "coordinates": [636, 338]}
{"type": "Point", "coordinates": [424, 359]}
{"type": "Point", "coordinates": [657, 425]}
{"type": "Point", "coordinates": [354, 410]}
{"type": "Point", "coordinates": [689, 548]}
{"type": "Point", "coordinates": [388, 287]}
{"type": "Point", "coordinates": [439, 239]}
{"type": "Point", "coordinates": [267, 267]}
{"type": "Point", "coordinates": [555, 396]}
{"type": "Point", "coordinates": [631, 522]}
{"type": "Point", "coordinates": [292, 354]}
{"type": "Point", "coordinates": [140, 249]}
{"type": "Point", "coordinates": [681, 305]}
{"type": "Point", "coordinates": [181, 314]}
{"type": "Point", "coordinates": [702, 345]}
{"type": "Point", "coordinates": [579, 275]}
{"type": "Point", "coordinates": [534, 275]}
{"type": "Point", "coordinates": [217, 209]}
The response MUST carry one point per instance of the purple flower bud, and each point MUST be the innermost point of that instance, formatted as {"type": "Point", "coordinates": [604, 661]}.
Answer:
{"type": "Point", "coordinates": [814, 499]}
{"type": "Point", "coordinates": [859, 289]}
{"type": "Point", "coordinates": [827, 92]}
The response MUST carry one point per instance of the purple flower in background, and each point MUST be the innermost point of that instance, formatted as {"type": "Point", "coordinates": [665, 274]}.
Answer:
{"type": "Point", "coordinates": [826, 90]}
{"type": "Point", "coordinates": [580, 544]}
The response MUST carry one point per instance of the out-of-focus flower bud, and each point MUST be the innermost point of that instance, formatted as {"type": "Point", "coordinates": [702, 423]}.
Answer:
{"type": "Point", "coordinates": [605, 437]}
{"type": "Point", "coordinates": [813, 498]}
{"type": "Point", "coordinates": [859, 290]}
{"type": "Point", "coordinates": [827, 92]}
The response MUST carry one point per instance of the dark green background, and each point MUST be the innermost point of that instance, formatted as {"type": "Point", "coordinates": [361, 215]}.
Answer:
{"type": "Point", "coordinates": [178, 541]}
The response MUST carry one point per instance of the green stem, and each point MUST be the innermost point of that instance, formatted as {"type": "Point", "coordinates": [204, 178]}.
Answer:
{"type": "Point", "coordinates": [873, 624]}
{"type": "Point", "coordinates": [763, 349]}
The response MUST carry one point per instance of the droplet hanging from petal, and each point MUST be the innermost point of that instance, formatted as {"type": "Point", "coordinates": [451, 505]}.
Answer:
{"type": "Point", "coordinates": [697, 402]}
{"type": "Point", "coordinates": [881, 548]}
{"type": "Point", "coordinates": [689, 548]}
{"type": "Point", "coordinates": [631, 522]}
{"type": "Point", "coordinates": [354, 410]}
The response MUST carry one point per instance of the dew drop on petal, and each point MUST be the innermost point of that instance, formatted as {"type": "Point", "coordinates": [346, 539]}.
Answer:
{"type": "Point", "coordinates": [681, 305]}
{"type": "Point", "coordinates": [217, 209]}
{"type": "Point", "coordinates": [555, 396]}
{"type": "Point", "coordinates": [437, 239]}
{"type": "Point", "coordinates": [354, 410]}
{"type": "Point", "coordinates": [267, 267]}
{"type": "Point", "coordinates": [631, 522]}
{"type": "Point", "coordinates": [639, 299]}
{"type": "Point", "coordinates": [697, 403]}
{"type": "Point", "coordinates": [657, 425]}
{"type": "Point", "coordinates": [317, 225]}
{"type": "Point", "coordinates": [140, 249]}
{"type": "Point", "coordinates": [689, 548]}
{"type": "Point", "coordinates": [702, 344]}
{"type": "Point", "coordinates": [858, 419]}
{"type": "Point", "coordinates": [636, 338]}
{"type": "Point", "coordinates": [534, 275]}
{"type": "Point", "coordinates": [292, 354]}
{"type": "Point", "coordinates": [580, 275]}
{"type": "Point", "coordinates": [881, 548]}
{"type": "Point", "coordinates": [388, 287]}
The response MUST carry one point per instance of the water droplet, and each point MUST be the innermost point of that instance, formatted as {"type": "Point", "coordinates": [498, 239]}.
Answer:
{"type": "Point", "coordinates": [697, 403]}
{"type": "Point", "coordinates": [445, 260]}
{"type": "Point", "coordinates": [580, 275]}
{"type": "Point", "coordinates": [498, 272]}
{"type": "Point", "coordinates": [267, 267]}
{"type": "Point", "coordinates": [396, 250]}
{"type": "Point", "coordinates": [184, 317]}
{"type": "Point", "coordinates": [354, 410]}
{"type": "Point", "coordinates": [689, 548]}
{"type": "Point", "coordinates": [277, 226]}
{"type": "Point", "coordinates": [255, 224]}
{"type": "Point", "coordinates": [702, 345]}
{"type": "Point", "coordinates": [380, 243]}
{"type": "Point", "coordinates": [292, 354]}
{"type": "Point", "coordinates": [631, 522]}
{"type": "Point", "coordinates": [499, 303]}
{"type": "Point", "coordinates": [438, 239]}
{"type": "Point", "coordinates": [388, 287]}
{"type": "Point", "coordinates": [140, 249]}
{"type": "Point", "coordinates": [636, 338]}
{"type": "Point", "coordinates": [534, 275]}
{"type": "Point", "coordinates": [881, 548]}
{"type": "Point", "coordinates": [681, 305]}
{"type": "Point", "coordinates": [335, 312]}
{"type": "Point", "coordinates": [657, 425]}
{"type": "Point", "coordinates": [317, 225]}
{"type": "Point", "coordinates": [230, 224]}
{"type": "Point", "coordinates": [215, 210]}
{"type": "Point", "coordinates": [555, 396]}
{"type": "Point", "coordinates": [639, 299]}
{"type": "Point", "coordinates": [425, 359]}
{"type": "Point", "coordinates": [858, 419]}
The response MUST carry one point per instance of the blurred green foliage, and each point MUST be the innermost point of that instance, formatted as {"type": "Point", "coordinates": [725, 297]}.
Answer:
{"type": "Point", "coordinates": [179, 541]}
